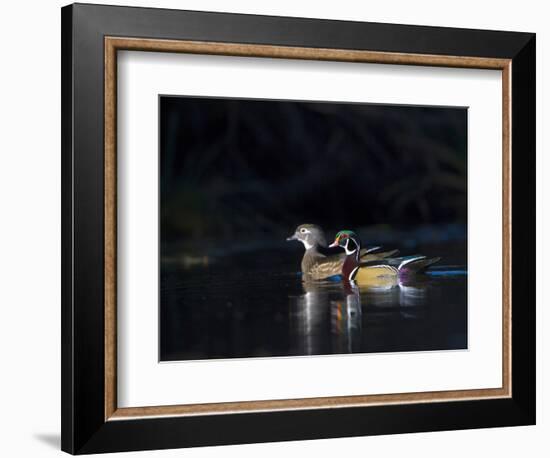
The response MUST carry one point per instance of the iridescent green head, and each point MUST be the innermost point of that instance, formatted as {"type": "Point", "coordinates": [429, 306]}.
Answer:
{"type": "Point", "coordinates": [347, 240]}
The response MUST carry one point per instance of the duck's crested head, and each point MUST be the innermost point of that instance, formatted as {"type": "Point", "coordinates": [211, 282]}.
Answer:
{"type": "Point", "coordinates": [343, 238]}
{"type": "Point", "coordinates": [310, 235]}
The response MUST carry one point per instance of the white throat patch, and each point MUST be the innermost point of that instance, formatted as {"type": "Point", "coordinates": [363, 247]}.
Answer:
{"type": "Point", "coordinates": [348, 252]}
{"type": "Point", "coordinates": [307, 245]}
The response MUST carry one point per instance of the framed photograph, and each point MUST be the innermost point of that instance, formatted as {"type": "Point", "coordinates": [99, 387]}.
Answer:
{"type": "Point", "coordinates": [281, 228]}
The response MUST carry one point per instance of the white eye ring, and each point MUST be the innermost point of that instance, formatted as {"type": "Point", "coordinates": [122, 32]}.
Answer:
{"type": "Point", "coordinates": [303, 231]}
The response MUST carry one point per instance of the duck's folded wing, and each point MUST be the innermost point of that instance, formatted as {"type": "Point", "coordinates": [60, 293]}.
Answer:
{"type": "Point", "coordinates": [327, 268]}
{"type": "Point", "coordinates": [370, 249]}
{"type": "Point", "coordinates": [412, 264]}
{"type": "Point", "coordinates": [418, 264]}
{"type": "Point", "coordinates": [370, 256]}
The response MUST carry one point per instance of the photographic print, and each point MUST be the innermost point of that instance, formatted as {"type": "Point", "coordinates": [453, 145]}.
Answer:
{"type": "Point", "coordinates": [297, 228]}
{"type": "Point", "coordinates": [292, 220]}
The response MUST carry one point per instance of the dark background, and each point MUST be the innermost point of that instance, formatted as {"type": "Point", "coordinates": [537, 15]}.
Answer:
{"type": "Point", "coordinates": [234, 169]}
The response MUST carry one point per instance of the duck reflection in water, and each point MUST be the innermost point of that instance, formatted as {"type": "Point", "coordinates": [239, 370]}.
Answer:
{"type": "Point", "coordinates": [346, 310]}
{"type": "Point", "coordinates": [346, 320]}
{"type": "Point", "coordinates": [326, 306]}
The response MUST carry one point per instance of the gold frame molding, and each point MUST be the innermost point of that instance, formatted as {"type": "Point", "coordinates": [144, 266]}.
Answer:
{"type": "Point", "coordinates": [114, 44]}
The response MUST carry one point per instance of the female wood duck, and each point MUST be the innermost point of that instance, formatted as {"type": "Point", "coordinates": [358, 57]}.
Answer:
{"type": "Point", "coordinates": [318, 263]}
{"type": "Point", "coordinates": [384, 270]}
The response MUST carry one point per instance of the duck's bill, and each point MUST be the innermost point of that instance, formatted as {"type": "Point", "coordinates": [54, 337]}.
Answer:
{"type": "Point", "coordinates": [292, 237]}
{"type": "Point", "coordinates": [333, 245]}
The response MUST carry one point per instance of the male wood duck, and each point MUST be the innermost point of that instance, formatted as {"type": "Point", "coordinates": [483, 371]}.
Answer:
{"type": "Point", "coordinates": [385, 270]}
{"type": "Point", "coordinates": [318, 262]}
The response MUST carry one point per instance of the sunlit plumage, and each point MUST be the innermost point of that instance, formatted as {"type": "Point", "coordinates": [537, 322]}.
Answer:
{"type": "Point", "coordinates": [318, 263]}
{"type": "Point", "coordinates": [383, 272]}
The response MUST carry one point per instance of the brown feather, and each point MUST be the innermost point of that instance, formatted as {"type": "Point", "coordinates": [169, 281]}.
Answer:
{"type": "Point", "coordinates": [326, 268]}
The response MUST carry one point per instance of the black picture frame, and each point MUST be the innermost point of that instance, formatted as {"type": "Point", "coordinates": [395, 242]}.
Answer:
{"type": "Point", "coordinates": [84, 427]}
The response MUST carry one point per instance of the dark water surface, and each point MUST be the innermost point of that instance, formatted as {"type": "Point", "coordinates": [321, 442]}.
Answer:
{"type": "Point", "coordinates": [254, 304]}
